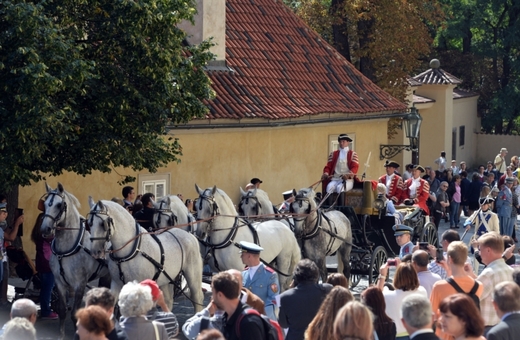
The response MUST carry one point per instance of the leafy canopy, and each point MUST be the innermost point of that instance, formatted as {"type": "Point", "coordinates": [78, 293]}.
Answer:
{"type": "Point", "coordinates": [91, 84]}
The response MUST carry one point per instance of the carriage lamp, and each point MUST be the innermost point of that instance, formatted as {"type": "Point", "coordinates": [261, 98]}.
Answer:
{"type": "Point", "coordinates": [412, 125]}
{"type": "Point", "coordinates": [379, 204]}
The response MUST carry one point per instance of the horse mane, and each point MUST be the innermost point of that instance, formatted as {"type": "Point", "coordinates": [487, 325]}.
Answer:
{"type": "Point", "coordinates": [307, 193]}
{"type": "Point", "coordinates": [227, 201]}
{"type": "Point", "coordinates": [72, 198]}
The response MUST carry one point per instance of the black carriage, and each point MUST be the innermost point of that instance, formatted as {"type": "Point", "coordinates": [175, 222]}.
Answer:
{"type": "Point", "coordinates": [372, 233]}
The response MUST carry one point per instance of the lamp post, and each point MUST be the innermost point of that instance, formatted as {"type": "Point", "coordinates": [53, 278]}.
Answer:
{"type": "Point", "coordinates": [412, 125]}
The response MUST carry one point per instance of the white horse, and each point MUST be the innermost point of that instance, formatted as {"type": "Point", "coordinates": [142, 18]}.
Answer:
{"type": "Point", "coordinates": [255, 202]}
{"type": "Point", "coordinates": [138, 255]}
{"type": "Point", "coordinates": [222, 230]}
{"type": "Point", "coordinates": [321, 234]}
{"type": "Point", "coordinates": [71, 262]}
{"type": "Point", "coordinates": [171, 211]}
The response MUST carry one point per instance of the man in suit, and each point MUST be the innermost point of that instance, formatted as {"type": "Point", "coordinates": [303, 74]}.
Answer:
{"type": "Point", "coordinates": [393, 182]}
{"type": "Point", "coordinates": [259, 279]}
{"type": "Point", "coordinates": [299, 305]}
{"type": "Point", "coordinates": [506, 300]}
{"type": "Point", "coordinates": [418, 317]}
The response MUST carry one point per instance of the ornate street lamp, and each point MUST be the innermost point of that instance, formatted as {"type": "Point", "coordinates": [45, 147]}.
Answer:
{"type": "Point", "coordinates": [412, 125]}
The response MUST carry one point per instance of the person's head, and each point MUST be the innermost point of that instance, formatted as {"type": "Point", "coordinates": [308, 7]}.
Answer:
{"type": "Point", "coordinates": [509, 170]}
{"type": "Point", "coordinates": [306, 271]}
{"type": "Point", "coordinates": [489, 166]}
{"type": "Point", "coordinates": [238, 275]}
{"type": "Point", "coordinates": [225, 290]}
{"type": "Point", "coordinates": [250, 253]}
{"type": "Point", "coordinates": [420, 260]}
{"type": "Point", "coordinates": [337, 279]}
{"type": "Point", "coordinates": [92, 320]}
{"type": "Point", "coordinates": [256, 182]}
{"type": "Point", "coordinates": [344, 140]}
{"type": "Point", "coordinates": [128, 193]}
{"type": "Point", "coordinates": [503, 152]}
{"type": "Point", "coordinates": [457, 179]}
{"type": "Point", "coordinates": [491, 247]}
{"type": "Point", "coordinates": [447, 237]}
{"type": "Point", "coordinates": [443, 154]}
{"type": "Point", "coordinates": [416, 312]}
{"type": "Point", "coordinates": [19, 328]}
{"type": "Point", "coordinates": [405, 277]}
{"type": "Point", "coordinates": [381, 188]}
{"type": "Point", "coordinates": [418, 171]}
{"type": "Point", "coordinates": [457, 253]}
{"type": "Point", "coordinates": [374, 299]}
{"type": "Point", "coordinates": [460, 316]}
{"type": "Point", "coordinates": [463, 165]}
{"type": "Point", "coordinates": [453, 163]}
{"type": "Point", "coordinates": [102, 297]}
{"type": "Point", "coordinates": [402, 233]}
{"type": "Point", "coordinates": [432, 173]}
{"type": "Point", "coordinates": [485, 202]}
{"type": "Point", "coordinates": [321, 325]}
{"type": "Point", "coordinates": [409, 167]}
{"type": "Point", "coordinates": [135, 300]}
{"type": "Point", "coordinates": [24, 308]}
{"type": "Point", "coordinates": [509, 182]}
{"type": "Point", "coordinates": [210, 334]}
{"type": "Point", "coordinates": [154, 289]}
{"type": "Point", "coordinates": [147, 200]}
{"type": "Point", "coordinates": [490, 177]}
{"type": "Point", "coordinates": [3, 212]}
{"type": "Point", "coordinates": [506, 297]}
{"type": "Point", "coordinates": [444, 186]}
{"type": "Point", "coordinates": [354, 320]}
{"type": "Point", "coordinates": [118, 201]}
{"type": "Point", "coordinates": [390, 167]}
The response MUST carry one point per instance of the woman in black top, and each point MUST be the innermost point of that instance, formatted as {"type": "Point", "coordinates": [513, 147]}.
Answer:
{"type": "Point", "coordinates": [384, 326]}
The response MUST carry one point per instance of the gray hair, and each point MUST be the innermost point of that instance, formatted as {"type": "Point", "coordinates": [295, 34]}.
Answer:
{"type": "Point", "coordinates": [507, 297]}
{"type": "Point", "coordinates": [135, 299]}
{"type": "Point", "coordinates": [416, 311]}
{"type": "Point", "coordinates": [23, 308]}
{"type": "Point", "coordinates": [19, 328]}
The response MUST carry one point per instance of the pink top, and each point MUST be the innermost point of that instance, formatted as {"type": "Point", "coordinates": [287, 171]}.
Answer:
{"type": "Point", "coordinates": [456, 194]}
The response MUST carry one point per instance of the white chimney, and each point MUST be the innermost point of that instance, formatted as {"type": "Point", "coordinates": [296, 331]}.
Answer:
{"type": "Point", "coordinates": [210, 21]}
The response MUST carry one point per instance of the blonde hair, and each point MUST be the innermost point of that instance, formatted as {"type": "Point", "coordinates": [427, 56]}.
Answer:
{"type": "Point", "coordinates": [458, 252]}
{"type": "Point", "coordinates": [354, 320]}
{"type": "Point", "coordinates": [492, 240]}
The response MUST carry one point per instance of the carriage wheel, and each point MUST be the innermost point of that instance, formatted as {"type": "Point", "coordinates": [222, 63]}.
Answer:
{"type": "Point", "coordinates": [357, 262]}
{"type": "Point", "coordinates": [429, 234]}
{"type": "Point", "coordinates": [379, 257]}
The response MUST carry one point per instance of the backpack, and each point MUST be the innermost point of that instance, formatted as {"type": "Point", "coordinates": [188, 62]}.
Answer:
{"type": "Point", "coordinates": [472, 293]}
{"type": "Point", "coordinates": [273, 330]}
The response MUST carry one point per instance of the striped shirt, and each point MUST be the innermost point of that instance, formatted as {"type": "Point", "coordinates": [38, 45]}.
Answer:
{"type": "Point", "coordinates": [168, 319]}
{"type": "Point", "coordinates": [496, 272]}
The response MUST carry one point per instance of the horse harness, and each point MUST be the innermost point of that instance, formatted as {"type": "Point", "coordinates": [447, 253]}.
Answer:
{"type": "Point", "coordinates": [78, 245]}
{"type": "Point", "coordinates": [108, 222]}
{"type": "Point", "coordinates": [230, 238]}
{"type": "Point", "coordinates": [246, 198]}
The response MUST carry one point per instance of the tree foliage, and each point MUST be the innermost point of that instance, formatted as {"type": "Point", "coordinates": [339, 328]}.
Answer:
{"type": "Point", "coordinates": [480, 43]}
{"type": "Point", "coordinates": [91, 85]}
{"type": "Point", "coordinates": [385, 39]}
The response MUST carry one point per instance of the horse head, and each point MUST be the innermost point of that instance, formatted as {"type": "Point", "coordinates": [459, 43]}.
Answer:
{"type": "Point", "coordinates": [164, 215]}
{"type": "Point", "coordinates": [249, 204]}
{"type": "Point", "coordinates": [55, 212]}
{"type": "Point", "coordinates": [302, 207]}
{"type": "Point", "coordinates": [101, 225]}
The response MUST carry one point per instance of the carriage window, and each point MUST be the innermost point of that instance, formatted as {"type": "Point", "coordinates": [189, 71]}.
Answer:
{"type": "Point", "coordinates": [157, 184]}
{"type": "Point", "coordinates": [334, 145]}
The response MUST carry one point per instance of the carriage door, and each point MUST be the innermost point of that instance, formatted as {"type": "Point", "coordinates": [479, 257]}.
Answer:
{"type": "Point", "coordinates": [157, 184]}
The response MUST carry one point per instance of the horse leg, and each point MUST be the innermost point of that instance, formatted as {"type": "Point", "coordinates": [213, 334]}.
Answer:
{"type": "Point", "coordinates": [344, 258]}
{"type": "Point", "coordinates": [322, 266]}
{"type": "Point", "coordinates": [62, 306]}
{"type": "Point", "coordinates": [168, 295]}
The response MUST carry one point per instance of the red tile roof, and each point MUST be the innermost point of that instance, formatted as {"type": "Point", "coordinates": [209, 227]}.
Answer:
{"type": "Point", "coordinates": [283, 69]}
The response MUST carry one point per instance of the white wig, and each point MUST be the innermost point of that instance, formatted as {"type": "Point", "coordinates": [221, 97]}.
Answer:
{"type": "Point", "coordinates": [135, 299]}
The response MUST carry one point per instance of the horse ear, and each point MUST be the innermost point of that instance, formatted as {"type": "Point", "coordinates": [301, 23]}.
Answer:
{"type": "Point", "coordinates": [91, 202]}
{"type": "Point", "coordinates": [294, 192]}
{"type": "Point", "coordinates": [47, 187]}
{"type": "Point", "coordinates": [242, 192]}
{"type": "Point", "coordinates": [60, 187]}
{"type": "Point", "coordinates": [100, 204]}
{"type": "Point", "coordinates": [214, 190]}
{"type": "Point", "coordinates": [199, 190]}
{"type": "Point", "coordinates": [168, 200]}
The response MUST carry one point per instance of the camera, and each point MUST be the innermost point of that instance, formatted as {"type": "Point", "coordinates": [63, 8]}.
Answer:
{"type": "Point", "coordinates": [391, 262]}
{"type": "Point", "coordinates": [423, 245]}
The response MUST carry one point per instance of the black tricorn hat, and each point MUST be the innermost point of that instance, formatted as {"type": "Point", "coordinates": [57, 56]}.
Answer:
{"type": "Point", "coordinates": [392, 164]}
{"type": "Point", "coordinates": [486, 200]}
{"type": "Point", "coordinates": [344, 136]}
{"type": "Point", "coordinates": [419, 167]}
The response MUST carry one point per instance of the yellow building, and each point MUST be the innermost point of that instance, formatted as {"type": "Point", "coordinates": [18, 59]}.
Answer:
{"type": "Point", "coordinates": [283, 96]}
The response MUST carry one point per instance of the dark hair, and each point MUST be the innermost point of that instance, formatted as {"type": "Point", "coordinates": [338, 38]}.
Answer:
{"type": "Point", "coordinates": [463, 174]}
{"type": "Point", "coordinates": [405, 277]}
{"type": "Point", "coordinates": [147, 198]}
{"type": "Point", "coordinates": [464, 308]}
{"type": "Point", "coordinates": [475, 177]}
{"type": "Point", "coordinates": [421, 258]}
{"type": "Point", "coordinates": [306, 271]}
{"type": "Point", "coordinates": [456, 177]}
{"type": "Point", "coordinates": [126, 191]}
{"type": "Point", "coordinates": [506, 296]}
{"type": "Point", "coordinates": [100, 296]}
{"type": "Point", "coordinates": [516, 275]}
{"type": "Point", "coordinates": [36, 233]}
{"type": "Point", "coordinates": [443, 154]}
{"type": "Point", "coordinates": [374, 299]}
{"type": "Point", "coordinates": [337, 279]}
{"type": "Point", "coordinates": [94, 319]}
{"type": "Point", "coordinates": [406, 258]}
{"type": "Point", "coordinates": [227, 284]}
{"type": "Point", "coordinates": [450, 236]}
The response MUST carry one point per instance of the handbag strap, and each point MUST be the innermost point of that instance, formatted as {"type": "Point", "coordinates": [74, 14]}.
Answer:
{"type": "Point", "coordinates": [156, 330]}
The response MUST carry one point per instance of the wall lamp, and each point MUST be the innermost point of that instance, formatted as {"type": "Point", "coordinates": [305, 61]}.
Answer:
{"type": "Point", "coordinates": [412, 125]}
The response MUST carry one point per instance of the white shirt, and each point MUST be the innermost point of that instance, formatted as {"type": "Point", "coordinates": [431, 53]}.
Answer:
{"type": "Point", "coordinates": [413, 187]}
{"type": "Point", "coordinates": [427, 279]}
{"type": "Point", "coordinates": [388, 181]}
{"type": "Point", "coordinates": [252, 270]}
{"type": "Point", "coordinates": [341, 164]}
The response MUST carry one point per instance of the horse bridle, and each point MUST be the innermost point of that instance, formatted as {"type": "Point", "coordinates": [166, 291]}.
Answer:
{"type": "Point", "coordinates": [246, 199]}
{"type": "Point", "coordinates": [172, 218]}
{"type": "Point", "coordinates": [300, 199]}
{"type": "Point", "coordinates": [63, 209]}
{"type": "Point", "coordinates": [108, 222]}
{"type": "Point", "coordinates": [213, 206]}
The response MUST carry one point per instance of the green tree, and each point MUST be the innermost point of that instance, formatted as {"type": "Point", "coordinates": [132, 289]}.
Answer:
{"type": "Point", "coordinates": [91, 85]}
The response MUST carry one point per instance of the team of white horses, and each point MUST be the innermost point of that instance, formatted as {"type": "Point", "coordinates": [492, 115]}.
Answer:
{"type": "Point", "coordinates": [133, 253]}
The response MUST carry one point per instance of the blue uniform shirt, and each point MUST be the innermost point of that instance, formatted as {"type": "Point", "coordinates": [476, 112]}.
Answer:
{"type": "Point", "coordinates": [406, 249]}
{"type": "Point", "coordinates": [265, 285]}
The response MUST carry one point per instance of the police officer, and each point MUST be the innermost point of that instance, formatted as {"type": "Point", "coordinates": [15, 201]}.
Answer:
{"type": "Point", "coordinates": [484, 220]}
{"type": "Point", "coordinates": [259, 279]}
{"type": "Point", "coordinates": [403, 236]}
{"type": "Point", "coordinates": [504, 203]}
{"type": "Point", "coordinates": [288, 198]}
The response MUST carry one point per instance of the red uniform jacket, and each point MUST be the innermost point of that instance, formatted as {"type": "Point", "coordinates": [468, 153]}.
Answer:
{"type": "Point", "coordinates": [352, 162]}
{"type": "Point", "coordinates": [422, 194]}
{"type": "Point", "coordinates": [395, 191]}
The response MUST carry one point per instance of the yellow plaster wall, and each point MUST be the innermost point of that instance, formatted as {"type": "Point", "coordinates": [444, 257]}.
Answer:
{"type": "Point", "coordinates": [283, 157]}
{"type": "Point", "coordinates": [465, 114]}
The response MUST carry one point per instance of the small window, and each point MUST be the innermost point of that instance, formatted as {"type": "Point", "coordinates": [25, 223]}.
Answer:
{"type": "Point", "coordinates": [462, 135]}
{"type": "Point", "coordinates": [453, 144]}
{"type": "Point", "coordinates": [157, 184]}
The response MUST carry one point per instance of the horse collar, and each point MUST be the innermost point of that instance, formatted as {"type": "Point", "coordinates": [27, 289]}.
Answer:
{"type": "Point", "coordinates": [77, 245]}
